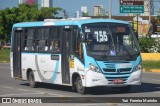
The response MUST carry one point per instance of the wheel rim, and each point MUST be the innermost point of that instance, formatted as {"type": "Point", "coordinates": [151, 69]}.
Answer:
{"type": "Point", "coordinates": [79, 85]}
{"type": "Point", "coordinates": [31, 79]}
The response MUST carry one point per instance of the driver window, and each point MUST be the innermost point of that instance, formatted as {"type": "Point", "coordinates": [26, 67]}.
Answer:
{"type": "Point", "coordinates": [77, 45]}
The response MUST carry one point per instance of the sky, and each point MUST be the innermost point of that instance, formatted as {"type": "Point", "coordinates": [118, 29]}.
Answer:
{"type": "Point", "coordinates": [71, 6]}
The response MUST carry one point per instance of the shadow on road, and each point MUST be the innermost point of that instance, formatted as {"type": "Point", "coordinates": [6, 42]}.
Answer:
{"type": "Point", "coordinates": [51, 86]}
{"type": "Point", "coordinates": [145, 87]}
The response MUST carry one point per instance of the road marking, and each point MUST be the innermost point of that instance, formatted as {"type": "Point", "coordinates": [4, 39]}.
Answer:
{"type": "Point", "coordinates": [6, 87]}
{"type": "Point", "coordinates": [37, 92]}
{"type": "Point", "coordinates": [19, 94]}
{"type": "Point", "coordinates": [105, 104]}
{"type": "Point", "coordinates": [156, 92]}
{"type": "Point", "coordinates": [58, 95]}
{"type": "Point", "coordinates": [22, 89]}
{"type": "Point", "coordinates": [5, 67]}
{"type": "Point", "coordinates": [53, 94]}
{"type": "Point", "coordinates": [155, 80]}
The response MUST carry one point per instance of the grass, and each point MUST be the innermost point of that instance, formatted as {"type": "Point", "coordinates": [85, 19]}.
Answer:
{"type": "Point", "coordinates": [148, 65]}
{"type": "Point", "coordinates": [4, 55]}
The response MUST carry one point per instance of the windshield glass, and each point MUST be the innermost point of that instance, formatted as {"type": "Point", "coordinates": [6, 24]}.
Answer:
{"type": "Point", "coordinates": [110, 40]}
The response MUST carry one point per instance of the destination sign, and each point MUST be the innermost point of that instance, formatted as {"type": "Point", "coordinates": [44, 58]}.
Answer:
{"type": "Point", "coordinates": [131, 2]}
{"type": "Point", "coordinates": [132, 6]}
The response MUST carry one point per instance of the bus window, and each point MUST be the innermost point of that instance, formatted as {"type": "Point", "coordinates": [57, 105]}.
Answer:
{"type": "Point", "coordinates": [29, 40]}
{"type": "Point", "coordinates": [77, 45]}
{"type": "Point", "coordinates": [42, 39]}
{"type": "Point", "coordinates": [54, 40]}
{"type": "Point", "coordinates": [55, 46]}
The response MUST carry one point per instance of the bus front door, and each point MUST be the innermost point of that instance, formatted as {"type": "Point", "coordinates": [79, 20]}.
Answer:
{"type": "Point", "coordinates": [65, 57]}
{"type": "Point", "coordinates": [17, 53]}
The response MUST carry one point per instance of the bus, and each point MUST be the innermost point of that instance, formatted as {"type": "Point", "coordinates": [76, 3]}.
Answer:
{"type": "Point", "coordinates": [78, 52]}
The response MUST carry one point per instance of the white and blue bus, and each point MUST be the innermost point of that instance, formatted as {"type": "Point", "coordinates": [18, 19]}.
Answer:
{"type": "Point", "coordinates": [81, 53]}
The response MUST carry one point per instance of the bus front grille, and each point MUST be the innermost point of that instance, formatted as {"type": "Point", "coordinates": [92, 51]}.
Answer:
{"type": "Point", "coordinates": [111, 74]}
{"type": "Point", "coordinates": [124, 77]}
{"type": "Point", "coordinates": [109, 70]}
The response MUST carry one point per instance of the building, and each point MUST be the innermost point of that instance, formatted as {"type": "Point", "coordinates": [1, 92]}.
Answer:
{"type": "Point", "coordinates": [46, 3]}
{"type": "Point", "coordinates": [84, 9]}
{"type": "Point", "coordinates": [99, 10]}
{"type": "Point", "coordinates": [148, 7]}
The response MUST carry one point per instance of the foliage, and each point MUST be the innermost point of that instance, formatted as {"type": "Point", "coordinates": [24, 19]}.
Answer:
{"type": "Point", "coordinates": [4, 55]}
{"type": "Point", "coordinates": [147, 65]}
{"type": "Point", "coordinates": [149, 45]}
{"type": "Point", "coordinates": [23, 13]}
{"type": "Point", "coordinates": [146, 43]}
{"type": "Point", "coordinates": [85, 14]}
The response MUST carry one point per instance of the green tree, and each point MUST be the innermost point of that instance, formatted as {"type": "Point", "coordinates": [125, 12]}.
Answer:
{"type": "Point", "coordinates": [48, 12]}
{"type": "Point", "coordinates": [85, 14]}
{"type": "Point", "coordinates": [23, 13]}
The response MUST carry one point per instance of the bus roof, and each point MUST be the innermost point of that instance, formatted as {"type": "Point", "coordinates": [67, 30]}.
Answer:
{"type": "Point", "coordinates": [63, 22]}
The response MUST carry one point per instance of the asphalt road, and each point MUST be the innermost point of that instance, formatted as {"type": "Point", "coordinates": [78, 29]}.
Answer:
{"type": "Point", "coordinates": [15, 88]}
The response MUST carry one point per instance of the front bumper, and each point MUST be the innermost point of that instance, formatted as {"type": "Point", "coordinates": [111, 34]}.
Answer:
{"type": "Point", "coordinates": [94, 79]}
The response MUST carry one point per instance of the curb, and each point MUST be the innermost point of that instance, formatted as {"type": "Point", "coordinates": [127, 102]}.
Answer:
{"type": "Point", "coordinates": [152, 70]}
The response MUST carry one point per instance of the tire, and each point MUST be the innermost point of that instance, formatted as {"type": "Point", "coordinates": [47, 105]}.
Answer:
{"type": "Point", "coordinates": [79, 86]}
{"type": "Point", "coordinates": [32, 82]}
{"type": "Point", "coordinates": [74, 87]}
{"type": "Point", "coordinates": [125, 89]}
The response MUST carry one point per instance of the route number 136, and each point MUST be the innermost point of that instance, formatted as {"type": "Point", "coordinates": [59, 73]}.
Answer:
{"type": "Point", "coordinates": [101, 36]}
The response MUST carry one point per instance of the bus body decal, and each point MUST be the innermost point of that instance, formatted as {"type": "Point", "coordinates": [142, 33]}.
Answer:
{"type": "Point", "coordinates": [55, 71]}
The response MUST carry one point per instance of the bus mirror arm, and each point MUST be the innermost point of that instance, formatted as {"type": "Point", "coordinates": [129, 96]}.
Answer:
{"type": "Point", "coordinates": [82, 38]}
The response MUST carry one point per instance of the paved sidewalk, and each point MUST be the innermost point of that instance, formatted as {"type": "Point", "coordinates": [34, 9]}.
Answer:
{"type": "Point", "coordinates": [152, 70]}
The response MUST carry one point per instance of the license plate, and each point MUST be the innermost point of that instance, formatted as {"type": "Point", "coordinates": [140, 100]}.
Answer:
{"type": "Point", "coordinates": [118, 81]}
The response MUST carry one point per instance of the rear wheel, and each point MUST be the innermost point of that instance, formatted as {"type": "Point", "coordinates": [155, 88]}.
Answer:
{"type": "Point", "coordinates": [32, 82]}
{"type": "Point", "coordinates": [79, 86]}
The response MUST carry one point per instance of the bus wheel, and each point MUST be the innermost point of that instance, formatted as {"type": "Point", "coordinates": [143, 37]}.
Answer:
{"type": "Point", "coordinates": [74, 87]}
{"type": "Point", "coordinates": [32, 82]}
{"type": "Point", "coordinates": [79, 86]}
{"type": "Point", "coordinates": [125, 89]}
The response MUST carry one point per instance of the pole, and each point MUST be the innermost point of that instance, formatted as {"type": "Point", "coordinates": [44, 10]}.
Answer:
{"type": "Point", "coordinates": [137, 23]}
{"type": "Point", "coordinates": [149, 6]}
{"type": "Point", "coordinates": [110, 9]}
{"type": "Point", "coordinates": [77, 14]}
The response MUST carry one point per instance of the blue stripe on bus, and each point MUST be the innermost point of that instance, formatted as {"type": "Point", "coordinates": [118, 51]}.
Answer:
{"type": "Point", "coordinates": [67, 22]}
{"type": "Point", "coordinates": [55, 71]}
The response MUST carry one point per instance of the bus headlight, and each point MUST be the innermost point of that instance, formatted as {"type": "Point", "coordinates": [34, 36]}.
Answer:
{"type": "Point", "coordinates": [94, 68]}
{"type": "Point", "coordinates": [138, 67]}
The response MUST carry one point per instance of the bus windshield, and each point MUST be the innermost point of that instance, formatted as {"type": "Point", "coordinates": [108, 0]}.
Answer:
{"type": "Point", "coordinates": [110, 40]}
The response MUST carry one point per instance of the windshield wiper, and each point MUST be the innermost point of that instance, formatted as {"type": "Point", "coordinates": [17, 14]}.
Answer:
{"type": "Point", "coordinates": [128, 52]}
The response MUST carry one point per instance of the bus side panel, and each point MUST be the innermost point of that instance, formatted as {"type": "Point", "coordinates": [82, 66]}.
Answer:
{"type": "Point", "coordinates": [45, 69]}
{"type": "Point", "coordinates": [78, 67]}
{"type": "Point", "coordinates": [54, 68]}
{"type": "Point", "coordinates": [49, 68]}
{"type": "Point", "coordinates": [28, 62]}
